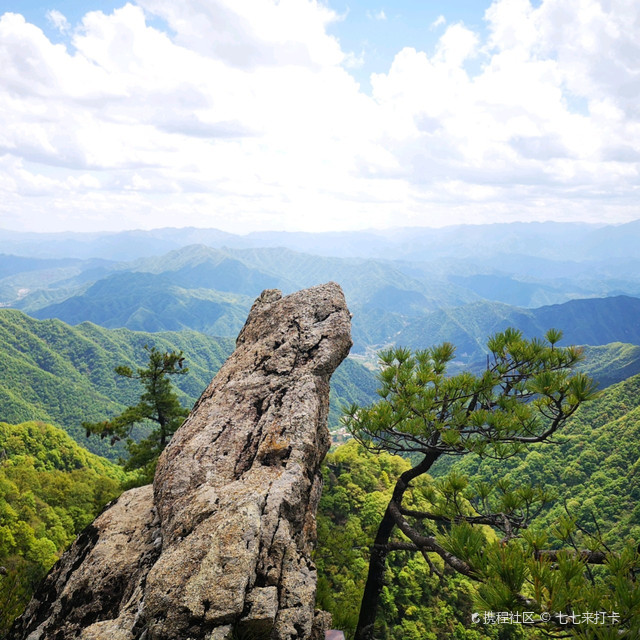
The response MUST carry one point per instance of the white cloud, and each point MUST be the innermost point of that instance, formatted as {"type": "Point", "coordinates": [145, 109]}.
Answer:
{"type": "Point", "coordinates": [511, 123]}
{"type": "Point", "coordinates": [456, 45]}
{"type": "Point", "coordinates": [438, 22]}
{"type": "Point", "coordinates": [377, 15]}
{"type": "Point", "coordinates": [353, 61]}
{"type": "Point", "coordinates": [58, 20]}
{"type": "Point", "coordinates": [252, 32]}
{"type": "Point", "coordinates": [243, 115]}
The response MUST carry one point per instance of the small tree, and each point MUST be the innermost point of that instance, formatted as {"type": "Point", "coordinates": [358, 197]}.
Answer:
{"type": "Point", "coordinates": [525, 395]}
{"type": "Point", "coordinates": [158, 403]}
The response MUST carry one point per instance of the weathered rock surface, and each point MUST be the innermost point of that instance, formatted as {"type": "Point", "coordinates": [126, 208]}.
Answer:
{"type": "Point", "coordinates": [220, 546]}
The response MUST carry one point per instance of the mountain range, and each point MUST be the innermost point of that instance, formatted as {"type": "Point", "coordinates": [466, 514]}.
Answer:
{"type": "Point", "coordinates": [550, 240]}
{"type": "Point", "coordinates": [77, 305]}
{"type": "Point", "coordinates": [394, 302]}
{"type": "Point", "coordinates": [64, 375]}
{"type": "Point", "coordinates": [113, 293]}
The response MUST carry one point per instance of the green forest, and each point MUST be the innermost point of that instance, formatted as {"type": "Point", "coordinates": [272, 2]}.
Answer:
{"type": "Point", "coordinates": [90, 314]}
{"type": "Point", "coordinates": [52, 488]}
{"type": "Point", "coordinates": [64, 375]}
{"type": "Point", "coordinates": [590, 471]}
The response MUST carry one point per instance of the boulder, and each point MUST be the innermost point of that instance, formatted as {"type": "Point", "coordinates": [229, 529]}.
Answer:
{"type": "Point", "coordinates": [220, 546]}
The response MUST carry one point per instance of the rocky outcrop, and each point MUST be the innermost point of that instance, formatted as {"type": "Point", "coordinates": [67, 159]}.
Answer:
{"type": "Point", "coordinates": [219, 547]}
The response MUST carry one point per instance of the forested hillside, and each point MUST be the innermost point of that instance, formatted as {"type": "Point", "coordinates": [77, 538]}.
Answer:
{"type": "Point", "coordinates": [149, 302]}
{"type": "Point", "coordinates": [50, 489]}
{"type": "Point", "coordinates": [592, 465]}
{"type": "Point", "coordinates": [64, 375]}
{"type": "Point", "coordinates": [593, 321]}
{"type": "Point", "coordinates": [591, 468]}
{"type": "Point", "coordinates": [611, 363]}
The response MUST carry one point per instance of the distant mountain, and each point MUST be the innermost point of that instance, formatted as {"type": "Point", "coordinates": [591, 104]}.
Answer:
{"type": "Point", "coordinates": [551, 240]}
{"type": "Point", "coordinates": [63, 375]}
{"type": "Point", "coordinates": [11, 265]}
{"type": "Point", "coordinates": [20, 275]}
{"type": "Point", "coordinates": [211, 290]}
{"type": "Point", "coordinates": [375, 283]}
{"type": "Point", "coordinates": [503, 288]}
{"type": "Point", "coordinates": [149, 302]}
{"type": "Point", "coordinates": [118, 246]}
{"type": "Point", "coordinates": [529, 281]}
{"type": "Point", "coordinates": [405, 271]}
{"type": "Point", "coordinates": [611, 363]}
{"type": "Point", "coordinates": [595, 321]}
{"type": "Point", "coordinates": [198, 266]}
{"type": "Point", "coordinates": [394, 285]}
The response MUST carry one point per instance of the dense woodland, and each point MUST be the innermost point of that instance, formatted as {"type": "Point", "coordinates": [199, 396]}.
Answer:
{"type": "Point", "coordinates": [85, 305]}
{"type": "Point", "coordinates": [50, 489]}
{"type": "Point", "coordinates": [590, 470]}
{"type": "Point", "coordinates": [64, 375]}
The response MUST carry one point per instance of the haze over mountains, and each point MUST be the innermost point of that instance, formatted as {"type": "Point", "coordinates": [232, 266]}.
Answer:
{"type": "Point", "coordinates": [405, 286]}
{"type": "Point", "coordinates": [409, 287]}
{"type": "Point", "coordinates": [551, 240]}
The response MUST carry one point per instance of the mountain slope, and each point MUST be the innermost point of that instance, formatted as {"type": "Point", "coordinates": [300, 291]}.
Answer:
{"type": "Point", "coordinates": [150, 302]}
{"type": "Point", "coordinates": [611, 363]}
{"type": "Point", "coordinates": [50, 489]}
{"type": "Point", "coordinates": [593, 464]}
{"type": "Point", "coordinates": [57, 373]}
{"type": "Point", "coordinates": [199, 266]}
{"type": "Point", "coordinates": [64, 375]}
{"type": "Point", "coordinates": [594, 321]}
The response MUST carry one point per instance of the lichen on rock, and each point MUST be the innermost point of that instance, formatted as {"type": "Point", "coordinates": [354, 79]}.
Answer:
{"type": "Point", "coordinates": [221, 544]}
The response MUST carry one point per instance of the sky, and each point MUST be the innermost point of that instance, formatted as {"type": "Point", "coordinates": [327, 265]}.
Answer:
{"type": "Point", "coordinates": [304, 115]}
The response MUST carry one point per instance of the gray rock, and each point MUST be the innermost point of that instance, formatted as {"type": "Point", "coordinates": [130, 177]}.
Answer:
{"type": "Point", "coordinates": [222, 542]}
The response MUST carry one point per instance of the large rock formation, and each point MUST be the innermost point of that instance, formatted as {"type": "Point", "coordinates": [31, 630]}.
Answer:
{"type": "Point", "coordinates": [219, 547]}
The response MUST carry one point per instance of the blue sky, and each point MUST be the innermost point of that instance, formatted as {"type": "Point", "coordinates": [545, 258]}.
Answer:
{"type": "Point", "coordinates": [380, 31]}
{"type": "Point", "coordinates": [292, 114]}
{"type": "Point", "coordinates": [373, 32]}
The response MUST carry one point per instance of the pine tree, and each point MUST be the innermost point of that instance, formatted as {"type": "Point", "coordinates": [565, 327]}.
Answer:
{"type": "Point", "coordinates": [158, 404]}
{"type": "Point", "coordinates": [525, 395]}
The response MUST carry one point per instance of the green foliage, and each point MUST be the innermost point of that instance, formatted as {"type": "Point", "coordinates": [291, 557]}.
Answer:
{"type": "Point", "coordinates": [158, 404]}
{"type": "Point", "coordinates": [63, 375]}
{"type": "Point", "coordinates": [591, 467]}
{"type": "Point", "coordinates": [417, 603]}
{"type": "Point", "coordinates": [50, 489]}
{"type": "Point", "coordinates": [525, 395]}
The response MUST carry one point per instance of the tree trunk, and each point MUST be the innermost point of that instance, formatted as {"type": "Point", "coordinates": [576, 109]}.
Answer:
{"type": "Point", "coordinates": [379, 551]}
